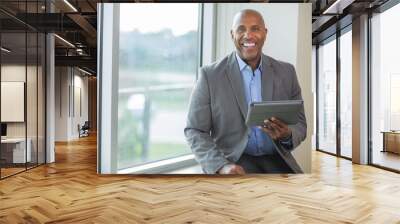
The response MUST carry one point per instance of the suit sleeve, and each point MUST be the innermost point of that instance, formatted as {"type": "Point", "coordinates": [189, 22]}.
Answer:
{"type": "Point", "coordinates": [199, 126]}
{"type": "Point", "coordinates": [299, 130]}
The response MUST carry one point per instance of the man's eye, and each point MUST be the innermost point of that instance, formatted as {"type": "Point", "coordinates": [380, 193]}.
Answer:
{"type": "Point", "coordinates": [241, 29]}
{"type": "Point", "coordinates": [255, 29]}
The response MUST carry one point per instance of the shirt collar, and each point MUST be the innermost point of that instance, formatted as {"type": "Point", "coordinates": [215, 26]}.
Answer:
{"type": "Point", "coordinates": [242, 64]}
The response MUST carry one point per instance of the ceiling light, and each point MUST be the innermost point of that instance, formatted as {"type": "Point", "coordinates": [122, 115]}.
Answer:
{"type": "Point", "coordinates": [338, 6]}
{"type": "Point", "coordinates": [65, 41]}
{"type": "Point", "coordinates": [70, 5]}
{"type": "Point", "coordinates": [5, 50]}
{"type": "Point", "coordinates": [84, 71]}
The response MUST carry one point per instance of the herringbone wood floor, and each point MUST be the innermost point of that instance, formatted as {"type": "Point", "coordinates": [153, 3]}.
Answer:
{"type": "Point", "coordinates": [70, 191]}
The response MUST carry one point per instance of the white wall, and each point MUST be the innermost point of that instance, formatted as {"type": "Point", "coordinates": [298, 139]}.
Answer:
{"type": "Point", "coordinates": [14, 73]}
{"type": "Point", "coordinates": [17, 73]}
{"type": "Point", "coordinates": [282, 37]}
{"type": "Point", "coordinates": [80, 84]}
{"type": "Point", "coordinates": [288, 39]}
{"type": "Point", "coordinates": [61, 103]}
{"type": "Point", "coordinates": [69, 83]}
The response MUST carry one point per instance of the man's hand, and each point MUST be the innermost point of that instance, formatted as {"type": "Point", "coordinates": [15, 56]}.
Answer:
{"type": "Point", "coordinates": [276, 129]}
{"type": "Point", "coordinates": [231, 169]}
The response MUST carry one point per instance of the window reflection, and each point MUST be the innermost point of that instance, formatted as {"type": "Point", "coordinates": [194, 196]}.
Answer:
{"type": "Point", "coordinates": [346, 94]}
{"type": "Point", "coordinates": [327, 97]}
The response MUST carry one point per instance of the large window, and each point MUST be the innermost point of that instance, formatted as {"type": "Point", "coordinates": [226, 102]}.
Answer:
{"type": "Point", "coordinates": [335, 73]}
{"type": "Point", "coordinates": [385, 87]}
{"type": "Point", "coordinates": [327, 96]}
{"type": "Point", "coordinates": [157, 68]}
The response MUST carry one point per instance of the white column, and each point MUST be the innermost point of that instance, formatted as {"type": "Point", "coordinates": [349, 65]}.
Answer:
{"type": "Point", "coordinates": [50, 99]}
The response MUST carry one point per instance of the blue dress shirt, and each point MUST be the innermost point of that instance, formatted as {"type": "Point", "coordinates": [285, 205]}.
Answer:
{"type": "Point", "coordinates": [259, 142]}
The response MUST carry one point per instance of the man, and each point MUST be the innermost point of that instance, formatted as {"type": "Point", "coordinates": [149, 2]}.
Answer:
{"type": "Point", "coordinates": [216, 129]}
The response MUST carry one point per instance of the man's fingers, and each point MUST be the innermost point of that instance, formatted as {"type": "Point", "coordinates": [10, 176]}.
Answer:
{"type": "Point", "coordinates": [269, 129]}
{"type": "Point", "coordinates": [236, 169]}
{"type": "Point", "coordinates": [278, 122]}
{"type": "Point", "coordinates": [270, 132]}
{"type": "Point", "coordinates": [276, 127]}
{"type": "Point", "coordinates": [240, 170]}
{"type": "Point", "coordinates": [268, 125]}
{"type": "Point", "coordinates": [272, 129]}
{"type": "Point", "coordinates": [227, 169]}
{"type": "Point", "coordinates": [231, 169]}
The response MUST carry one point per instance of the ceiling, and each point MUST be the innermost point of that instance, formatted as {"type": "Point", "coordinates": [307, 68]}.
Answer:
{"type": "Point", "coordinates": [76, 20]}
{"type": "Point", "coordinates": [332, 15]}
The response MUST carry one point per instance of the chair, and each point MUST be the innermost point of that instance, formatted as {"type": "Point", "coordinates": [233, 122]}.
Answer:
{"type": "Point", "coordinates": [84, 130]}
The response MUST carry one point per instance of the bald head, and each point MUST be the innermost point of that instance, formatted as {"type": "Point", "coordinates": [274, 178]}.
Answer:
{"type": "Point", "coordinates": [244, 13]}
{"type": "Point", "coordinates": [248, 34]}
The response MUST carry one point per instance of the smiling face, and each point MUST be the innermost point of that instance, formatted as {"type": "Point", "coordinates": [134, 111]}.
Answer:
{"type": "Point", "coordinates": [248, 34]}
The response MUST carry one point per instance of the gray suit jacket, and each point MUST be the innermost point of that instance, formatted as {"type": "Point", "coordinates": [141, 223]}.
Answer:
{"type": "Point", "coordinates": [216, 129]}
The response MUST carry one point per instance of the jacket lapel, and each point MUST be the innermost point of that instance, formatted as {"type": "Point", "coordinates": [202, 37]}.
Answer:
{"type": "Point", "coordinates": [235, 78]}
{"type": "Point", "coordinates": [267, 79]}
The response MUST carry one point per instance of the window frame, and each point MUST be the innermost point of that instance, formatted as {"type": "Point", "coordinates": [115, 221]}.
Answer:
{"type": "Point", "coordinates": [334, 37]}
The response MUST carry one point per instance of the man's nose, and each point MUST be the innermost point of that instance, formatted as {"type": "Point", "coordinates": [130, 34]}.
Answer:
{"type": "Point", "coordinates": [248, 34]}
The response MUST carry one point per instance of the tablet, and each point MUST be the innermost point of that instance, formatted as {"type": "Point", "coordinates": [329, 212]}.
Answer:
{"type": "Point", "coordinates": [286, 111]}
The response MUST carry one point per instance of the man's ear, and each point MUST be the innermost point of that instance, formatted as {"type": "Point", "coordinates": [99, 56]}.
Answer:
{"type": "Point", "coordinates": [232, 34]}
{"type": "Point", "coordinates": [266, 33]}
